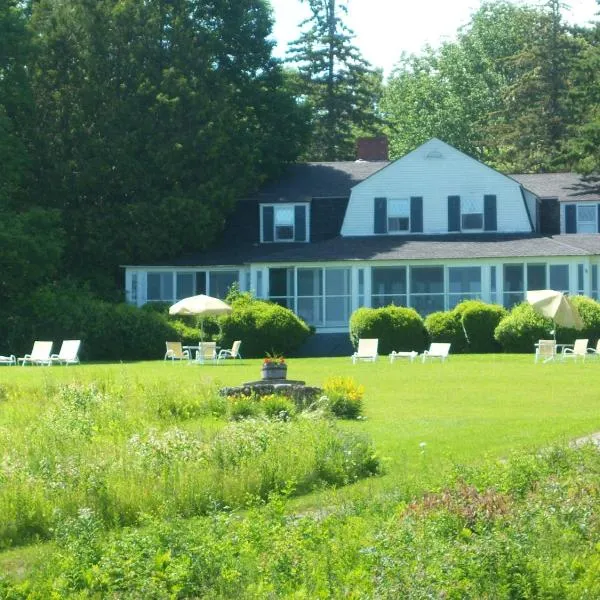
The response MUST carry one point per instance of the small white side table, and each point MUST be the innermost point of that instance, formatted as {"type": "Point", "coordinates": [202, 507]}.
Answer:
{"type": "Point", "coordinates": [409, 355]}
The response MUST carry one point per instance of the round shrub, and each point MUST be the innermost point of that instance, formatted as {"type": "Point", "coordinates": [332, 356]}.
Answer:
{"type": "Point", "coordinates": [397, 328]}
{"type": "Point", "coordinates": [479, 321]}
{"type": "Point", "coordinates": [263, 327]}
{"type": "Point", "coordinates": [447, 327]}
{"type": "Point", "coordinates": [589, 311]}
{"type": "Point", "coordinates": [522, 329]}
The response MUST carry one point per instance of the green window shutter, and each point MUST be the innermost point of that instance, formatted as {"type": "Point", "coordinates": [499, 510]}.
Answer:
{"type": "Point", "coordinates": [300, 223]}
{"type": "Point", "coordinates": [416, 214]}
{"type": "Point", "coordinates": [268, 220]}
{"type": "Point", "coordinates": [453, 213]}
{"type": "Point", "coordinates": [570, 218]}
{"type": "Point", "coordinates": [490, 219]}
{"type": "Point", "coordinates": [380, 215]}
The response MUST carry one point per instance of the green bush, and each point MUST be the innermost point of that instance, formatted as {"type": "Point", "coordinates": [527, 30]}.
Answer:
{"type": "Point", "coordinates": [469, 326]}
{"type": "Point", "coordinates": [278, 407]}
{"type": "Point", "coordinates": [479, 321]}
{"type": "Point", "coordinates": [344, 397]}
{"type": "Point", "coordinates": [396, 328]}
{"type": "Point", "coordinates": [447, 327]}
{"type": "Point", "coordinates": [263, 327]}
{"type": "Point", "coordinates": [590, 315]}
{"type": "Point", "coordinates": [522, 329]}
{"type": "Point", "coordinates": [108, 331]}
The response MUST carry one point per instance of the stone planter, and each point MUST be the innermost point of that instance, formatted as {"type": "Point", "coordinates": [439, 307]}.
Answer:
{"type": "Point", "coordinates": [273, 371]}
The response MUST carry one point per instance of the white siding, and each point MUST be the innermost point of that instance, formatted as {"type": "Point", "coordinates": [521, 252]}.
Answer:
{"type": "Point", "coordinates": [531, 200]}
{"type": "Point", "coordinates": [436, 178]}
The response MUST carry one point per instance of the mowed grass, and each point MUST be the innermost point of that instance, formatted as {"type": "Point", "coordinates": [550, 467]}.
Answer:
{"type": "Point", "coordinates": [424, 418]}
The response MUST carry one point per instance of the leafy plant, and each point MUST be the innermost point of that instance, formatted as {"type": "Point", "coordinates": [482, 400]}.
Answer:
{"type": "Point", "coordinates": [345, 397]}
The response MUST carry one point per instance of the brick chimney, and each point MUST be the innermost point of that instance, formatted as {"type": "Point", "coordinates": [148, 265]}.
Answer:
{"type": "Point", "coordinates": [372, 148]}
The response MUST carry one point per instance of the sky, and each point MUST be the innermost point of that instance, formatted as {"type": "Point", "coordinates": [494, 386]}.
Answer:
{"type": "Point", "coordinates": [385, 28]}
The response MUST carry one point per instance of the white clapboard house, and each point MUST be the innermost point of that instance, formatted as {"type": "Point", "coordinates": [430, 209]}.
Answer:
{"type": "Point", "coordinates": [427, 231]}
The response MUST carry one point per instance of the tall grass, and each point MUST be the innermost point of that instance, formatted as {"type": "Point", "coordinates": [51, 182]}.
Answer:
{"type": "Point", "coordinates": [112, 449]}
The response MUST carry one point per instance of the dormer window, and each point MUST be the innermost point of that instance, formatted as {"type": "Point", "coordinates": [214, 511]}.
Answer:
{"type": "Point", "coordinates": [471, 214]}
{"type": "Point", "coordinates": [398, 215]}
{"type": "Point", "coordinates": [284, 223]}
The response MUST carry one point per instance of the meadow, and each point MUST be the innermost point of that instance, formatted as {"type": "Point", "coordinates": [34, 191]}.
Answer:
{"type": "Point", "coordinates": [105, 464]}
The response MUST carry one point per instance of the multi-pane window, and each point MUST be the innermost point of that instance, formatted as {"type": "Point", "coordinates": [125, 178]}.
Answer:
{"type": "Point", "coordinates": [284, 223]}
{"type": "Point", "coordinates": [219, 282]}
{"type": "Point", "coordinates": [388, 286]}
{"type": "Point", "coordinates": [398, 214]}
{"type": "Point", "coordinates": [514, 285]}
{"type": "Point", "coordinates": [427, 289]}
{"type": "Point", "coordinates": [536, 277]}
{"type": "Point", "coordinates": [185, 285]}
{"type": "Point", "coordinates": [281, 287]}
{"type": "Point", "coordinates": [586, 218]}
{"type": "Point", "coordinates": [559, 278]}
{"type": "Point", "coordinates": [464, 283]}
{"type": "Point", "coordinates": [471, 214]}
{"type": "Point", "coordinates": [160, 286]}
{"type": "Point", "coordinates": [580, 279]}
{"type": "Point", "coordinates": [595, 282]}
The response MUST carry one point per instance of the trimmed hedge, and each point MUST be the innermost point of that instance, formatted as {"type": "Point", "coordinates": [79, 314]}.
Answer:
{"type": "Point", "coordinates": [263, 327]}
{"type": "Point", "coordinates": [523, 327]}
{"type": "Point", "coordinates": [469, 326]}
{"type": "Point", "coordinates": [108, 331]}
{"type": "Point", "coordinates": [397, 328]}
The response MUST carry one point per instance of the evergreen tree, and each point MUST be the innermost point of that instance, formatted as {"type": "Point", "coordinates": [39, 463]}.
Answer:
{"type": "Point", "coordinates": [335, 82]}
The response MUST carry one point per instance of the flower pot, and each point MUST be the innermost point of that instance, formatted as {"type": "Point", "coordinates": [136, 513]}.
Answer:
{"type": "Point", "coordinates": [274, 371]}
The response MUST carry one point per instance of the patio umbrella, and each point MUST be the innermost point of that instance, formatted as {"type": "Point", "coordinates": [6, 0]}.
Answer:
{"type": "Point", "coordinates": [200, 306]}
{"type": "Point", "coordinates": [556, 306]}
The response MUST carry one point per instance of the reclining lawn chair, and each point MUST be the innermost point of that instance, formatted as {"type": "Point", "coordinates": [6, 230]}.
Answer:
{"type": "Point", "coordinates": [69, 353]}
{"type": "Point", "coordinates": [367, 350]}
{"type": "Point", "coordinates": [40, 354]}
{"type": "Point", "coordinates": [436, 350]}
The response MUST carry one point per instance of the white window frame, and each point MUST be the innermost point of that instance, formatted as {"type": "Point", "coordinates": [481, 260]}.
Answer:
{"type": "Point", "coordinates": [401, 210]}
{"type": "Point", "coordinates": [289, 206]}
{"type": "Point", "coordinates": [466, 209]}
{"type": "Point", "coordinates": [581, 223]}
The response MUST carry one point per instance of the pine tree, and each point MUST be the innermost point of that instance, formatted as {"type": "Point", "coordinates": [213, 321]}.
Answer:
{"type": "Point", "coordinates": [335, 81]}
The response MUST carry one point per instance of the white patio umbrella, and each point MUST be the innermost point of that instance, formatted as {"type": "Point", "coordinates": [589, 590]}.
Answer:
{"type": "Point", "coordinates": [556, 306]}
{"type": "Point", "coordinates": [200, 306]}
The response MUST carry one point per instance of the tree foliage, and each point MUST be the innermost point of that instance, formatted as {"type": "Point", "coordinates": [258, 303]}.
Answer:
{"type": "Point", "coordinates": [333, 79]}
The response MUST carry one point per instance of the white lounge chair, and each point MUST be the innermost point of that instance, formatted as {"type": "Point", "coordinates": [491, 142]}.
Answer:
{"type": "Point", "coordinates": [69, 353]}
{"type": "Point", "coordinates": [367, 350]}
{"type": "Point", "coordinates": [545, 350]}
{"type": "Point", "coordinates": [579, 350]}
{"type": "Point", "coordinates": [8, 360]}
{"type": "Point", "coordinates": [176, 352]}
{"type": "Point", "coordinates": [595, 351]}
{"type": "Point", "coordinates": [207, 352]}
{"type": "Point", "coordinates": [436, 350]}
{"type": "Point", "coordinates": [234, 352]}
{"type": "Point", "coordinates": [40, 354]}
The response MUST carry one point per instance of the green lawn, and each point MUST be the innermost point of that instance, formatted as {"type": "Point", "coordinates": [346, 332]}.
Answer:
{"type": "Point", "coordinates": [423, 418]}
{"type": "Point", "coordinates": [427, 421]}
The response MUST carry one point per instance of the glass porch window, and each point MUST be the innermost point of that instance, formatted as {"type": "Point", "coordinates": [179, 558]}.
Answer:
{"type": "Point", "coordinates": [559, 278]}
{"type": "Point", "coordinates": [493, 286]}
{"type": "Point", "coordinates": [427, 289]}
{"type": "Point", "coordinates": [580, 280]}
{"type": "Point", "coordinates": [388, 286]}
{"type": "Point", "coordinates": [337, 297]}
{"type": "Point", "coordinates": [219, 282]}
{"type": "Point", "coordinates": [513, 285]}
{"type": "Point", "coordinates": [186, 284]}
{"type": "Point", "coordinates": [464, 283]}
{"type": "Point", "coordinates": [361, 287]}
{"type": "Point", "coordinates": [310, 295]}
{"type": "Point", "coordinates": [536, 277]}
{"type": "Point", "coordinates": [595, 282]}
{"type": "Point", "coordinates": [160, 286]}
{"type": "Point", "coordinates": [281, 287]}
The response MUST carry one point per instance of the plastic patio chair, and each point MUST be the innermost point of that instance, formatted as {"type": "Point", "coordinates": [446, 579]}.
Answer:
{"type": "Point", "coordinates": [69, 353]}
{"type": "Point", "coordinates": [40, 354]}
{"type": "Point", "coordinates": [367, 350]}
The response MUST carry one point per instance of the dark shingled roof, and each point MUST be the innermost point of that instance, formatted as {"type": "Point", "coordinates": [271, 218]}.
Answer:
{"type": "Point", "coordinates": [304, 181]}
{"type": "Point", "coordinates": [567, 187]}
{"type": "Point", "coordinates": [388, 247]}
